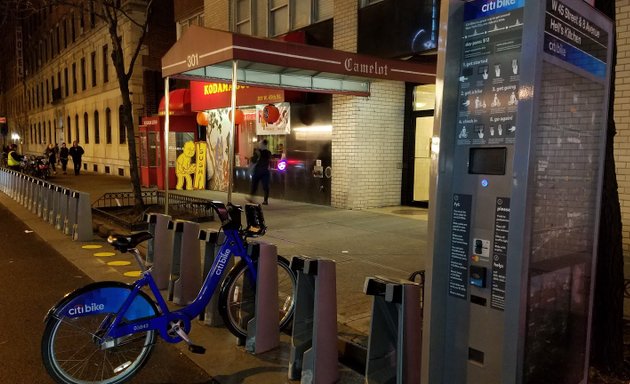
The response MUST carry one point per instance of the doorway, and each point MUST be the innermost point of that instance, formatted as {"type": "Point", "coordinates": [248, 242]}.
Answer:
{"type": "Point", "coordinates": [417, 145]}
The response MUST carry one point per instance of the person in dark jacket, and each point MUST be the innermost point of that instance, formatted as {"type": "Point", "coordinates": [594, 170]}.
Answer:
{"type": "Point", "coordinates": [63, 157]}
{"type": "Point", "coordinates": [261, 172]}
{"type": "Point", "coordinates": [76, 151]}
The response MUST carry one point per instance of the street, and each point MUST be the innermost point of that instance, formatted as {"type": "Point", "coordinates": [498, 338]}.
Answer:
{"type": "Point", "coordinates": [33, 277]}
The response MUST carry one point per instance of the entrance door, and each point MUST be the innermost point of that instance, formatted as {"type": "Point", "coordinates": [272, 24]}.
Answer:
{"type": "Point", "coordinates": [422, 159]}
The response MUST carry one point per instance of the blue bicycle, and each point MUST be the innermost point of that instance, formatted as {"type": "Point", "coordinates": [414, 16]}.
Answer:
{"type": "Point", "coordinates": [105, 331]}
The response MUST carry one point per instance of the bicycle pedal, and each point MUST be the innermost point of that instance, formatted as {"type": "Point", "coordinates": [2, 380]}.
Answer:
{"type": "Point", "coordinates": [196, 349]}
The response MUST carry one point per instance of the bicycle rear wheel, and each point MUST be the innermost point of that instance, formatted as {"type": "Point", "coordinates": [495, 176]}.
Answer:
{"type": "Point", "coordinates": [237, 297]}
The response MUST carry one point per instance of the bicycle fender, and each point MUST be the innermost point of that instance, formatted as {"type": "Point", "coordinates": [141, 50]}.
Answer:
{"type": "Point", "coordinates": [103, 297]}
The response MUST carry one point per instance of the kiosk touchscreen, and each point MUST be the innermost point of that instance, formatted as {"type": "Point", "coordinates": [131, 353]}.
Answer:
{"type": "Point", "coordinates": [522, 126]}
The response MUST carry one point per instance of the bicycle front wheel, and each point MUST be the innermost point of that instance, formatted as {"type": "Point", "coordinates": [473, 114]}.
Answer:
{"type": "Point", "coordinates": [238, 297]}
{"type": "Point", "coordinates": [74, 349]}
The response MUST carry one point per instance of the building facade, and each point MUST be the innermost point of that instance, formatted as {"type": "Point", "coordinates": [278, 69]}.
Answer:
{"type": "Point", "coordinates": [61, 84]}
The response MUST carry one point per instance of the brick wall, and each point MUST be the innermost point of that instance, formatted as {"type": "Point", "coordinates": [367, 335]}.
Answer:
{"type": "Point", "coordinates": [367, 147]}
{"type": "Point", "coordinates": [217, 14]}
{"type": "Point", "coordinates": [345, 25]}
{"type": "Point", "coordinates": [622, 117]}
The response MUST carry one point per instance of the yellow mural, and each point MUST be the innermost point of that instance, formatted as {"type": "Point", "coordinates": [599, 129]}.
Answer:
{"type": "Point", "coordinates": [200, 170]}
{"type": "Point", "coordinates": [184, 167]}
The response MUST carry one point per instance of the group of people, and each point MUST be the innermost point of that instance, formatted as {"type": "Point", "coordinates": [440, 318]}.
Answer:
{"type": "Point", "coordinates": [55, 155]}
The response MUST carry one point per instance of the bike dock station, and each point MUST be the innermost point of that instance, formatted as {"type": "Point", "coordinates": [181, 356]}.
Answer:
{"type": "Point", "coordinates": [185, 276]}
{"type": "Point", "coordinates": [212, 241]}
{"type": "Point", "coordinates": [52, 203]}
{"type": "Point", "coordinates": [395, 336]}
{"type": "Point", "coordinates": [313, 354]}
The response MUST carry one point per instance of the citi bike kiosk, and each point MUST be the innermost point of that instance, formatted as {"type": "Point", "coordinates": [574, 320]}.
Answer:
{"type": "Point", "coordinates": [516, 204]}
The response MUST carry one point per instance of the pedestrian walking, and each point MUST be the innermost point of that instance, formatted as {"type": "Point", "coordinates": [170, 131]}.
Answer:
{"type": "Point", "coordinates": [76, 152]}
{"type": "Point", "coordinates": [261, 173]}
{"type": "Point", "coordinates": [63, 157]}
{"type": "Point", "coordinates": [51, 155]}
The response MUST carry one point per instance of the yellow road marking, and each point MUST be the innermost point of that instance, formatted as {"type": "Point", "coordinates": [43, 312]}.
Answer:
{"type": "Point", "coordinates": [105, 254]}
{"type": "Point", "coordinates": [133, 273]}
{"type": "Point", "coordinates": [119, 263]}
{"type": "Point", "coordinates": [91, 246]}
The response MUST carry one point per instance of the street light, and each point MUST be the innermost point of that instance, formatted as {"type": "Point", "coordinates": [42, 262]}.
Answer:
{"type": "Point", "coordinates": [15, 137]}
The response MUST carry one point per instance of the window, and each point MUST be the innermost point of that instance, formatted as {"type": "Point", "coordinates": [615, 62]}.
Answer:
{"type": "Point", "coordinates": [74, 33]}
{"type": "Point", "coordinates": [74, 78]}
{"type": "Point", "coordinates": [365, 3]}
{"type": "Point", "coordinates": [283, 15]}
{"type": "Point", "coordinates": [49, 132]}
{"type": "Point", "coordinates": [76, 127]}
{"type": "Point", "coordinates": [65, 33]}
{"type": "Point", "coordinates": [183, 25]}
{"type": "Point", "coordinates": [47, 93]}
{"type": "Point", "coordinates": [243, 17]}
{"type": "Point", "coordinates": [69, 130]}
{"type": "Point", "coordinates": [39, 133]}
{"type": "Point", "coordinates": [93, 62]}
{"type": "Point", "coordinates": [97, 134]}
{"type": "Point", "coordinates": [108, 126]}
{"type": "Point", "coordinates": [105, 64]}
{"type": "Point", "coordinates": [65, 77]}
{"type": "Point", "coordinates": [83, 75]}
{"type": "Point", "coordinates": [86, 128]}
{"type": "Point", "coordinates": [121, 126]}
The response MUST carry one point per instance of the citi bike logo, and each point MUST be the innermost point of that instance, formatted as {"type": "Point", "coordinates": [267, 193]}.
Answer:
{"type": "Point", "coordinates": [81, 309]}
{"type": "Point", "coordinates": [221, 262]}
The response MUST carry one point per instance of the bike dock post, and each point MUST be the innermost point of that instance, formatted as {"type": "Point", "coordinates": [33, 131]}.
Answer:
{"type": "Point", "coordinates": [313, 355]}
{"type": "Point", "coordinates": [21, 189]}
{"type": "Point", "coordinates": [82, 228]}
{"type": "Point", "coordinates": [159, 248]}
{"type": "Point", "coordinates": [212, 240]}
{"type": "Point", "coordinates": [41, 193]}
{"type": "Point", "coordinates": [53, 208]}
{"type": "Point", "coordinates": [394, 345]}
{"type": "Point", "coordinates": [62, 207]}
{"type": "Point", "coordinates": [263, 333]}
{"type": "Point", "coordinates": [185, 278]}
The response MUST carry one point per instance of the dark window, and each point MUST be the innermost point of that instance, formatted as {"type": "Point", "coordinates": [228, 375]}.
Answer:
{"type": "Point", "coordinates": [121, 126]}
{"type": "Point", "coordinates": [69, 139]}
{"type": "Point", "coordinates": [39, 133]}
{"type": "Point", "coordinates": [74, 33]}
{"type": "Point", "coordinates": [76, 127]}
{"type": "Point", "coordinates": [65, 33]}
{"type": "Point", "coordinates": [105, 64]}
{"type": "Point", "coordinates": [74, 77]}
{"type": "Point", "coordinates": [65, 77]}
{"type": "Point", "coordinates": [86, 128]}
{"type": "Point", "coordinates": [97, 134]}
{"type": "Point", "coordinates": [83, 75]}
{"type": "Point", "coordinates": [108, 126]}
{"type": "Point", "coordinates": [93, 62]}
{"type": "Point", "coordinates": [47, 92]}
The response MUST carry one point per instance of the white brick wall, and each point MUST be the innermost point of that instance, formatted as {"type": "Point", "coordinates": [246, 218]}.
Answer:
{"type": "Point", "coordinates": [367, 147]}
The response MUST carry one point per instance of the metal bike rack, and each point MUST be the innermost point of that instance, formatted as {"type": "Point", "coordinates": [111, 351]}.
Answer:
{"type": "Point", "coordinates": [394, 346]}
{"type": "Point", "coordinates": [213, 240]}
{"type": "Point", "coordinates": [160, 248]}
{"type": "Point", "coordinates": [82, 226]}
{"type": "Point", "coordinates": [185, 278]}
{"type": "Point", "coordinates": [313, 355]}
{"type": "Point", "coordinates": [263, 333]}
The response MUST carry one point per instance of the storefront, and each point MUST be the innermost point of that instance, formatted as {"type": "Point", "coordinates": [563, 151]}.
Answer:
{"type": "Point", "coordinates": [251, 73]}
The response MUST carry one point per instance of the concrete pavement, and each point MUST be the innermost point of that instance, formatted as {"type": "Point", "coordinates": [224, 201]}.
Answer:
{"type": "Point", "coordinates": [384, 241]}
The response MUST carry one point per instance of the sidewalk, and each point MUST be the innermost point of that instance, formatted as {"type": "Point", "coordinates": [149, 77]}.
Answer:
{"type": "Point", "coordinates": [384, 241]}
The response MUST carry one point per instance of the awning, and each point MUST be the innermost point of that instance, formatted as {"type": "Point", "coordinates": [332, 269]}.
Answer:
{"type": "Point", "coordinates": [207, 54]}
{"type": "Point", "coordinates": [178, 103]}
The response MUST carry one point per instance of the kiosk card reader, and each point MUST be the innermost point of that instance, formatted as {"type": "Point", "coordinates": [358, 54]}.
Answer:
{"type": "Point", "coordinates": [515, 209]}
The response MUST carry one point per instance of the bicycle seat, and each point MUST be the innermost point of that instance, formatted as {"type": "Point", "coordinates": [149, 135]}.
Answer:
{"type": "Point", "coordinates": [125, 242]}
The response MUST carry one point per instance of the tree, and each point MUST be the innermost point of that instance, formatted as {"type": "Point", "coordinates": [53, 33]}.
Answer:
{"type": "Point", "coordinates": [607, 329]}
{"type": "Point", "coordinates": [131, 17]}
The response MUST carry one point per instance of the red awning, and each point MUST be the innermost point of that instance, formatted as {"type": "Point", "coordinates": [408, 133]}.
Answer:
{"type": "Point", "coordinates": [179, 103]}
{"type": "Point", "coordinates": [206, 54]}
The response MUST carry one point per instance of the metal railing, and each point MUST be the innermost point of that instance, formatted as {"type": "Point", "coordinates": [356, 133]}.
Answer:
{"type": "Point", "coordinates": [119, 208]}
